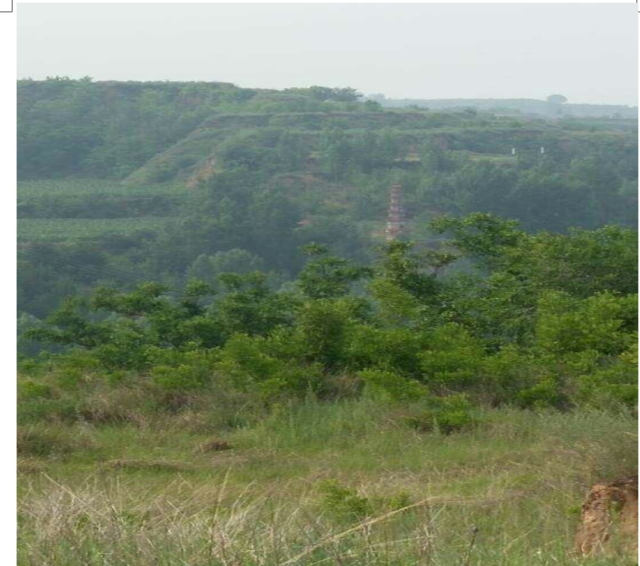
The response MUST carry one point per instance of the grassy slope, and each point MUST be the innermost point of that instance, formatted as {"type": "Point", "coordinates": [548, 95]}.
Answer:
{"type": "Point", "coordinates": [146, 493]}
{"type": "Point", "coordinates": [69, 188]}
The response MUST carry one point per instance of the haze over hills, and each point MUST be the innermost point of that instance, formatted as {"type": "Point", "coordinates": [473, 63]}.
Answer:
{"type": "Point", "coordinates": [514, 106]}
{"type": "Point", "coordinates": [198, 117]}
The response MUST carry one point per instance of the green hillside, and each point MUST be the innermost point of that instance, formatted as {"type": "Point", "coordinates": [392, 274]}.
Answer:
{"type": "Point", "coordinates": [106, 164]}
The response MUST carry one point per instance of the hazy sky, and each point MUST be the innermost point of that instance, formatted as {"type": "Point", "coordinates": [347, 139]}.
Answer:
{"type": "Point", "coordinates": [588, 52]}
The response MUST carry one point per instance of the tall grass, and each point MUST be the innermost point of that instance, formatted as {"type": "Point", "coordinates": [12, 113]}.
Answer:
{"type": "Point", "coordinates": [344, 483]}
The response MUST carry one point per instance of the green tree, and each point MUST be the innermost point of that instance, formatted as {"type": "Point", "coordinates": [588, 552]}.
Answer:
{"type": "Point", "coordinates": [327, 276]}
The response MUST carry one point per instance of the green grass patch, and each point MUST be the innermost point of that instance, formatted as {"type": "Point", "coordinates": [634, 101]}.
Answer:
{"type": "Point", "coordinates": [318, 483]}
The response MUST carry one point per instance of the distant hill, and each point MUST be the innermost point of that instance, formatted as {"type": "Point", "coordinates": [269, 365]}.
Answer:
{"type": "Point", "coordinates": [150, 132]}
{"type": "Point", "coordinates": [515, 106]}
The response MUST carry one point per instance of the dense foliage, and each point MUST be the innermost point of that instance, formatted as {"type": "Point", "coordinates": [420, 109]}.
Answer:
{"type": "Point", "coordinates": [125, 182]}
{"type": "Point", "coordinates": [494, 315]}
{"type": "Point", "coordinates": [196, 233]}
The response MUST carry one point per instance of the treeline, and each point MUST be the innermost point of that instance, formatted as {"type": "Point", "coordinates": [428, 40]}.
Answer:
{"type": "Point", "coordinates": [495, 315]}
{"type": "Point", "coordinates": [108, 129]}
{"type": "Point", "coordinates": [78, 127]}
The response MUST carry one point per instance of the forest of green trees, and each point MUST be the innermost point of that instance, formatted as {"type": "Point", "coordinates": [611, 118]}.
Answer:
{"type": "Point", "coordinates": [542, 320]}
{"type": "Point", "coordinates": [269, 263]}
{"type": "Point", "coordinates": [131, 182]}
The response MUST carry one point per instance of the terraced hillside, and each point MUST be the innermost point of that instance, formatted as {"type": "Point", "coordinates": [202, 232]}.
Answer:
{"type": "Point", "coordinates": [411, 132]}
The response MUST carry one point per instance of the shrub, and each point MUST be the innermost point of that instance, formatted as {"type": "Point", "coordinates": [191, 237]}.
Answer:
{"type": "Point", "coordinates": [612, 386]}
{"type": "Point", "coordinates": [600, 322]}
{"type": "Point", "coordinates": [245, 361]}
{"type": "Point", "coordinates": [545, 394]}
{"type": "Point", "coordinates": [34, 390]}
{"type": "Point", "coordinates": [49, 442]}
{"type": "Point", "coordinates": [62, 409]}
{"type": "Point", "coordinates": [183, 371]}
{"type": "Point", "coordinates": [393, 349]}
{"type": "Point", "coordinates": [323, 325]}
{"type": "Point", "coordinates": [454, 357]}
{"type": "Point", "coordinates": [389, 386]}
{"type": "Point", "coordinates": [344, 503]}
{"type": "Point", "coordinates": [446, 415]}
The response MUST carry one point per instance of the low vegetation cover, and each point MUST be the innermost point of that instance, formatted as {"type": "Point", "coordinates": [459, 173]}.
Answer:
{"type": "Point", "coordinates": [555, 105]}
{"type": "Point", "coordinates": [347, 482]}
{"type": "Point", "coordinates": [31, 230]}
{"type": "Point", "coordinates": [242, 371]}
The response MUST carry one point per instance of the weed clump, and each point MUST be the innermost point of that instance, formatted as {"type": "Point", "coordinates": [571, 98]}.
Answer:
{"type": "Point", "coordinates": [50, 443]}
{"type": "Point", "coordinates": [146, 465]}
{"type": "Point", "coordinates": [344, 503]}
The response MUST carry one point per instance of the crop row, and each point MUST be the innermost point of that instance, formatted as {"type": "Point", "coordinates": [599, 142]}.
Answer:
{"type": "Point", "coordinates": [63, 229]}
{"type": "Point", "coordinates": [80, 187]}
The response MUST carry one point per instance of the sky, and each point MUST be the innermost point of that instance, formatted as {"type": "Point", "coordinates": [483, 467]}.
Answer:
{"type": "Point", "coordinates": [587, 52]}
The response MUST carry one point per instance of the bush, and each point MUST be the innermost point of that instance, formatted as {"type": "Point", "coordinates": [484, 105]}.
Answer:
{"type": "Point", "coordinates": [446, 415]}
{"type": "Point", "coordinates": [545, 394]}
{"type": "Point", "coordinates": [28, 390]}
{"type": "Point", "coordinates": [610, 387]}
{"type": "Point", "coordinates": [344, 503]}
{"type": "Point", "coordinates": [600, 322]}
{"type": "Point", "coordinates": [395, 349]}
{"type": "Point", "coordinates": [388, 386]}
{"type": "Point", "coordinates": [54, 409]}
{"type": "Point", "coordinates": [245, 361]}
{"type": "Point", "coordinates": [454, 357]}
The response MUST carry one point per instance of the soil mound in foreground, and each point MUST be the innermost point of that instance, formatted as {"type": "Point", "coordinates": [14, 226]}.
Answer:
{"type": "Point", "coordinates": [609, 512]}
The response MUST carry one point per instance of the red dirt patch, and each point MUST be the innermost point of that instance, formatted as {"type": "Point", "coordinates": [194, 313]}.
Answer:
{"type": "Point", "coordinates": [609, 508]}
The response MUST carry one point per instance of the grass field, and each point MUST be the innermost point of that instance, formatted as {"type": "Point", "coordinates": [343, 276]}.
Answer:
{"type": "Point", "coordinates": [344, 483]}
